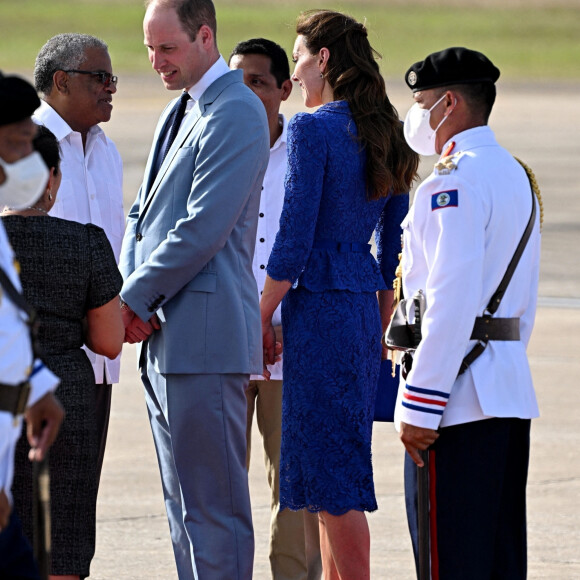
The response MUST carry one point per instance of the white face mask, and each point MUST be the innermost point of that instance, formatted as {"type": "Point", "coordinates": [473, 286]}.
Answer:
{"type": "Point", "coordinates": [418, 133]}
{"type": "Point", "coordinates": [24, 181]}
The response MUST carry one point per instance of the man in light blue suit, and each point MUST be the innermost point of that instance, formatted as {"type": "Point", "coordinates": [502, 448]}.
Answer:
{"type": "Point", "coordinates": [189, 292]}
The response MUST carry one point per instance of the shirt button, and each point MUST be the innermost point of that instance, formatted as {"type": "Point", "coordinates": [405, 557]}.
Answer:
{"type": "Point", "coordinates": [262, 240]}
{"type": "Point", "coordinates": [139, 237]}
{"type": "Point", "coordinates": [262, 267]}
{"type": "Point", "coordinates": [261, 214]}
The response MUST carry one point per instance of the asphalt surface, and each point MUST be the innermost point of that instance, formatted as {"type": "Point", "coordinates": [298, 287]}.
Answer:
{"type": "Point", "coordinates": [536, 123]}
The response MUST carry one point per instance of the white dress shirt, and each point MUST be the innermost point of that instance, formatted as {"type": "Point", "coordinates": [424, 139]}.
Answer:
{"type": "Point", "coordinates": [271, 202]}
{"type": "Point", "coordinates": [218, 69]}
{"type": "Point", "coordinates": [16, 365]}
{"type": "Point", "coordinates": [91, 191]}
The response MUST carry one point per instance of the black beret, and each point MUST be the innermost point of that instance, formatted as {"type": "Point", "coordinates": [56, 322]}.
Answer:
{"type": "Point", "coordinates": [18, 99]}
{"type": "Point", "coordinates": [452, 66]}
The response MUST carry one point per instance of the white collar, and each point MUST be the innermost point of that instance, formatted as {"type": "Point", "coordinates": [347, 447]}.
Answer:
{"type": "Point", "coordinates": [47, 116]}
{"type": "Point", "coordinates": [474, 137]}
{"type": "Point", "coordinates": [218, 69]}
{"type": "Point", "coordinates": [282, 139]}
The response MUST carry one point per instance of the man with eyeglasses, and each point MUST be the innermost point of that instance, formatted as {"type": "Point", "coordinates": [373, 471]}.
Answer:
{"type": "Point", "coordinates": [73, 74]}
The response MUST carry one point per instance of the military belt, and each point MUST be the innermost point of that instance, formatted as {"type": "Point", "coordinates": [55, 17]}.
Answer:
{"type": "Point", "coordinates": [14, 398]}
{"type": "Point", "coordinates": [488, 328]}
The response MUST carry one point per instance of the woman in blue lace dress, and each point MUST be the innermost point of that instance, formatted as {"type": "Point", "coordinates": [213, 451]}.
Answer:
{"type": "Point", "coordinates": [348, 170]}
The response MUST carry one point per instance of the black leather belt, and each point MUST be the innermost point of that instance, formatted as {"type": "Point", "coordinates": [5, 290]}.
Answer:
{"type": "Point", "coordinates": [488, 328]}
{"type": "Point", "coordinates": [14, 398]}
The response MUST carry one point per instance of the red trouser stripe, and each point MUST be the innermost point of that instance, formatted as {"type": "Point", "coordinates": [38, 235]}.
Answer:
{"type": "Point", "coordinates": [433, 517]}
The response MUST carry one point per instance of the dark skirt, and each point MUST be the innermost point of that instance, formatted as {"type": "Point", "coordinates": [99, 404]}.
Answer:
{"type": "Point", "coordinates": [72, 465]}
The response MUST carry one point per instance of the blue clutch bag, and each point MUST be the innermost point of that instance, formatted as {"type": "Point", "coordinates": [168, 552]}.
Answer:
{"type": "Point", "coordinates": [386, 393]}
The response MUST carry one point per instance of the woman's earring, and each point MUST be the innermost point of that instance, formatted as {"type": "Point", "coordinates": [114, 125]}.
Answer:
{"type": "Point", "coordinates": [49, 195]}
{"type": "Point", "coordinates": [321, 76]}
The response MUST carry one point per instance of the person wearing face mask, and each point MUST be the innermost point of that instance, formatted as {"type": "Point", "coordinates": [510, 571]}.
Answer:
{"type": "Point", "coordinates": [461, 232]}
{"type": "Point", "coordinates": [27, 385]}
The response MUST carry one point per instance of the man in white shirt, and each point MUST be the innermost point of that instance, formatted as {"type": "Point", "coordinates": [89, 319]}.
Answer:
{"type": "Point", "coordinates": [294, 543]}
{"type": "Point", "coordinates": [21, 181]}
{"type": "Point", "coordinates": [73, 73]}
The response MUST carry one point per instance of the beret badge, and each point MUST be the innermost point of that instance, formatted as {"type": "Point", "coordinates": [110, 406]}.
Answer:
{"type": "Point", "coordinates": [412, 78]}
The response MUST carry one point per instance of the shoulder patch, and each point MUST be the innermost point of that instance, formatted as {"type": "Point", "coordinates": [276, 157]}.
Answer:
{"type": "Point", "coordinates": [443, 199]}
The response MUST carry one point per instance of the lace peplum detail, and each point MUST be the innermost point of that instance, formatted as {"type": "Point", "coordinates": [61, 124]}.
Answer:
{"type": "Point", "coordinates": [333, 270]}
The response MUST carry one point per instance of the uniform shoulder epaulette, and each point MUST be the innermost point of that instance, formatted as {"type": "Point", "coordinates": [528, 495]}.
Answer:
{"type": "Point", "coordinates": [447, 164]}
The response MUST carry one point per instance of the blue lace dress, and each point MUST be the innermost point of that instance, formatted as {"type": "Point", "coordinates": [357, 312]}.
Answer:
{"type": "Point", "coordinates": [331, 321]}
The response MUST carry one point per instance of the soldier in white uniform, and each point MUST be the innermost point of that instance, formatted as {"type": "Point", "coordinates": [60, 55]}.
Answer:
{"type": "Point", "coordinates": [462, 231]}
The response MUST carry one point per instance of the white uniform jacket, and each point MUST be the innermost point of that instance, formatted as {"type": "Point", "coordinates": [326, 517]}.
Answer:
{"type": "Point", "coordinates": [459, 237]}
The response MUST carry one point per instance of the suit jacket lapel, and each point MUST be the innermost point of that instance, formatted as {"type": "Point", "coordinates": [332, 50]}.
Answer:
{"type": "Point", "coordinates": [187, 126]}
{"type": "Point", "coordinates": [154, 152]}
{"type": "Point", "coordinates": [185, 130]}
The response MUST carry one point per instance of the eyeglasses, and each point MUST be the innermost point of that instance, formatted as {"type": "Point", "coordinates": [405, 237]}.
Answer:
{"type": "Point", "coordinates": [105, 78]}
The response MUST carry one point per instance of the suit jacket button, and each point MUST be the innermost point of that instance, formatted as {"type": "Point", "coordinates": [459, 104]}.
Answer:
{"type": "Point", "coordinates": [139, 237]}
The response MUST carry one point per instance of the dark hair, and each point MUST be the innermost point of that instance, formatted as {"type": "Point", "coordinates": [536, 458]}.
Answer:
{"type": "Point", "coordinates": [47, 145]}
{"type": "Point", "coordinates": [354, 76]}
{"type": "Point", "coordinates": [479, 97]}
{"type": "Point", "coordinates": [192, 14]}
{"type": "Point", "coordinates": [279, 66]}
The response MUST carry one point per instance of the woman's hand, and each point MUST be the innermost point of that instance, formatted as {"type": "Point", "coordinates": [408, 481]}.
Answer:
{"type": "Point", "coordinates": [272, 295]}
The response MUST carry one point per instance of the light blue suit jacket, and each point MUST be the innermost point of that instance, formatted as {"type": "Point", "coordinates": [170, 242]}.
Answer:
{"type": "Point", "coordinates": [188, 247]}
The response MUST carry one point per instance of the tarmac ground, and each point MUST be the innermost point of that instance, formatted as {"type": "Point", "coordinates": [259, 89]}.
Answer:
{"type": "Point", "coordinates": [536, 123]}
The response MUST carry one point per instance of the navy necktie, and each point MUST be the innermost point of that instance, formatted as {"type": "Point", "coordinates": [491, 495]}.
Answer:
{"type": "Point", "coordinates": [176, 122]}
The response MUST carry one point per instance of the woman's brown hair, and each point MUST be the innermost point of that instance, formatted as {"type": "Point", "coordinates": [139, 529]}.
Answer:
{"type": "Point", "coordinates": [354, 76]}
